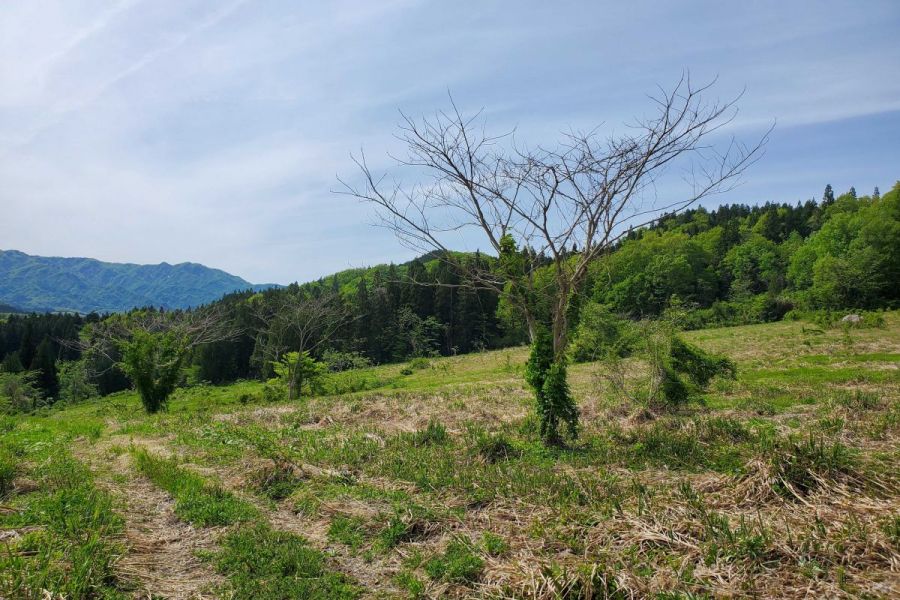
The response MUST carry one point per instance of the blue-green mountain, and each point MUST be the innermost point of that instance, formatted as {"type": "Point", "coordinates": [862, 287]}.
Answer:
{"type": "Point", "coordinates": [39, 283]}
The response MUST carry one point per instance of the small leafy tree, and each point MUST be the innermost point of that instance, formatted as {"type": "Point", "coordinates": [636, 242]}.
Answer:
{"type": "Point", "coordinates": [153, 362]}
{"type": "Point", "coordinates": [547, 377]}
{"type": "Point", "coordinates": [296, 369]}
{"type": "Point", "coordinates": [74, 381]}
{"type": "Point", "coordinates": [417, 337]}
{"type": "Point", "coordinates": [151, 347]}
{"type": "Point", "coordinates": [293, 319]}
{"type": "Point", "coordinates": [19, 392]}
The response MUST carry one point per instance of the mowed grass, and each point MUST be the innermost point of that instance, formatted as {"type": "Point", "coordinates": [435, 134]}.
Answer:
{"type": "Point", "coordinates": [429, 479]}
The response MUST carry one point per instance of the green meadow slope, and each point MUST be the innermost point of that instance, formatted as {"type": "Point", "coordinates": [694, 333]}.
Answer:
{"type": "Point", "coordinates": [428, 480]}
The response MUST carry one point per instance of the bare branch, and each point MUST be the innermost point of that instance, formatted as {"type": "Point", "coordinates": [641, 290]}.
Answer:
{"type": "Point", "coordinates": [587, 191]}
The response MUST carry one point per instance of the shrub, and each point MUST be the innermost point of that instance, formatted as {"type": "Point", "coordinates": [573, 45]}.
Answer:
{"type": "Point", "coordinates": [547, 377]}
{"type": "Point", "coordinates": [679, 371]}
{"type": "Point", "coordinates": [153, 362]}
{"type": "Point", "coordinates": [419, 363]}
{"type": "Point", "coordinates": [337, 361]}
{"type": "Point", "coordinates": [599, 332]}
{"type": "Point", "coordinates": [458, 564]}
{"type": "Point", "coordinates": [699, 365]}
{"type": "Point", "coordinates": [272, 392]}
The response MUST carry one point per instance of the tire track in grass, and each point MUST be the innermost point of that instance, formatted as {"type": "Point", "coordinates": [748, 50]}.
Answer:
{"type": "Point", "coordinates": [259, 561]}
{"type": "Point", "coordinates": [162, 554]}
{"type": "Point", "coordinates": [372, 572]}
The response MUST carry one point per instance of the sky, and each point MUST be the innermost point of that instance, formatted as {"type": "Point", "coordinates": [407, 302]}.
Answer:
{"type": "Point", "coordinates": [213, 131]}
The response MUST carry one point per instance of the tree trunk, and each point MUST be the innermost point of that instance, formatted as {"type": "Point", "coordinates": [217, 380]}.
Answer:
{"type": "Point", "coordinates": [561, 322]}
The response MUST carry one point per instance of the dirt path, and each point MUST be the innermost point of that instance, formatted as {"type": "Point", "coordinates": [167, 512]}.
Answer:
{"type": "Point", "coordinates": [162, 550]}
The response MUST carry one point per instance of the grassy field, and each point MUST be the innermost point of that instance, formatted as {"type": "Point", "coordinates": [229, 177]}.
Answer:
{"type": "Point", "coordinates": [428, 480]}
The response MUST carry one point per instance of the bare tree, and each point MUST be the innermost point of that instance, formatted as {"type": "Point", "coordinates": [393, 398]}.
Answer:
{"type": "Point", "coordinates": [295, 320]}
{"type": "Point", "coordinates": [585, 193]}
{"type": "Point", "coordinates": [533, 206]}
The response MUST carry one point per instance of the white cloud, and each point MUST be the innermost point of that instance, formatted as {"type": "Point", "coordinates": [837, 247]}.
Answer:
{"type": "Point", "coordinates": [186, 130]}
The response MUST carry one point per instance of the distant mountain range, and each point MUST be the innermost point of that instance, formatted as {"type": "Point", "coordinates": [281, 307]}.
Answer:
{"type": "Point", "coordinates": [39, 283]}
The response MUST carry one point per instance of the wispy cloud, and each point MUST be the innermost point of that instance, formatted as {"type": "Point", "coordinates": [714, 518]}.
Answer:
{"type": "Point", "coordinates": [148, 131]}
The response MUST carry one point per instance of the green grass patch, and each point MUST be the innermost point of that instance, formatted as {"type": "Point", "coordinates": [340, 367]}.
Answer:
{"type": "Point", "coordinates": [459, 563]}
{"type": "Point", "coordinates": [70, 536]}
{"type": "Point", "coordinates": [350, 531]}
{"type": "Point", "coordinates": [494, 545]}
{"type": "Point", "coordinates": [9, 466]}
{"type": "Point", "coordinates": [264, 564]}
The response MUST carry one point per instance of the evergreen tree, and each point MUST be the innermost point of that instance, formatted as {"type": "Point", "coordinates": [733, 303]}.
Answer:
{"type": "Point", "coordinates": [11, 363]}
{"type": "Point", "coordinates": [44, 365]}
{"type": "Point", "coordinates": [828, 196]}
{"type": "Point", "coordinates": [27, 346]}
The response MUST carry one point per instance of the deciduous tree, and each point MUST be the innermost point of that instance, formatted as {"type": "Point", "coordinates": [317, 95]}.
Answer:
{"type": "Point", "coordinates": [531, 205]}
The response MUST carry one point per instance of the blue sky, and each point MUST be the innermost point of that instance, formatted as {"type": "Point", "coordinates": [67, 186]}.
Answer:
{"type": "Point", "coordinates": [150, 130]}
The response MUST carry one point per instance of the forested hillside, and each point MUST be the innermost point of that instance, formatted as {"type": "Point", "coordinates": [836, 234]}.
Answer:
{"type": "Point", "coordinates": [734, 265]}
{"type": "Point", "coordinates": [38, 283]}
{"type": "Point", "coordinates": [745, 264]}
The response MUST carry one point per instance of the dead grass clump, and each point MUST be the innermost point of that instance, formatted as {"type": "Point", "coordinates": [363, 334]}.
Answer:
{"type": "Point", "coordinates": [555, 582]}
{"type": "Point", "coordinates": [796, 468]}
{"type": "Point", "coordinates": [277, 480]}
{"type": "Point", "coordinates": [411, 524]}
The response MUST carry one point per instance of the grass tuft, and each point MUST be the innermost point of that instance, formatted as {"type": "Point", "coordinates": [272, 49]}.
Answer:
{"type": "Point", "coordinates": [435, 434]}
{"type": "Point", "coordinates": [350, 531]}
{"type": "Point", "coordinates": [276, 482]}
{"type": "Point", "coordinates": [801, 466]}
{"type": "Point", "coordinates": [495, 448]}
